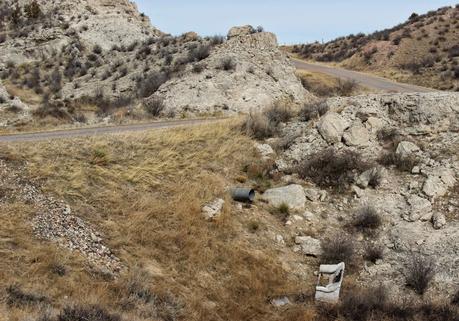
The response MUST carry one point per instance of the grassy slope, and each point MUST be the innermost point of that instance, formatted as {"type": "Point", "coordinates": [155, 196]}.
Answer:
{"type": "Point", "coordinates": [417, 51]}
{"type": "Point", "coordinates": [144, 192]}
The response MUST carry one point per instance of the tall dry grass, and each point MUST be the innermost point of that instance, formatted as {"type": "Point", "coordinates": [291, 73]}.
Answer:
{"type": "Point", "coordinates": [144, 192]}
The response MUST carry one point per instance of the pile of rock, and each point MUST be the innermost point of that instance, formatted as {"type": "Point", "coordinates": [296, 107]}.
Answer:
{"type": "Point", "coordinates": [54, 222]}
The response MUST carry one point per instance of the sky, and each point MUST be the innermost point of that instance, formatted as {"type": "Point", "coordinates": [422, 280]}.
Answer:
{"type": "Point", "coordinates": [293, 21]}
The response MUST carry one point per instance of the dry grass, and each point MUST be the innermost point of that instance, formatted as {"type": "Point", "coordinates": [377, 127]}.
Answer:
{"type": "Point", "coordinates": [323, 85]}
{"type": "Point", "coordinates": [145, 197]}
{"type": "Point", "coordinates": [28, 96]}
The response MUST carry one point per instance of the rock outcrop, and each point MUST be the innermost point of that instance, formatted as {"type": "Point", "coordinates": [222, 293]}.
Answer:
{"type": "Point", "coordinates": [415, 191]}
{"type": "Point", "coordinates": [246, 73]}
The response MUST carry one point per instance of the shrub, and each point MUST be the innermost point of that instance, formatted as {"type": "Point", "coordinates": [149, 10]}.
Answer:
{"type": "Point", "coordinates": [455, 299]}
{"type": "Point", "coordinates": [198, 68]}
{"type": "Point", "coordinates": [454, 51]}
{"type": "Point", "coordinates": [86, 313]}
{"type": "Point", "coordinates": [345, 87]}
{"type": "Point", "coordinates": [405, 164]}
{"type": "Point", "coordinates": [97, 50]}
{"type": "Point", "coordinates": [314, 110]}
{"type": "Point", "coordinates": [151, 83]}
{"type": "Point", "coordinates": [260, 29]}
{"type": "Point", "coordinates": [376, 177]}
{"type": "Point", "coordinates": [388, 135]}
{"type": "Point", "coordinates": [227, 64]}
{"type": "Point", "coordinates": [199, 53]}
{"type": "Point", "coordinates": [153, 106]}
{"type": "Point", "coordinates": [420, 272]}
{"type": "Point", "coordinates": [258, 126]}
{"type": "Point", "coordinates": [278, 113]}
{"type": "Point", "coordinates": [339, 248]}
{"type": "Point", "coordinates": [216, 40]}
{"type": "Point", "coordinates": [330, 168]}
{"type": "Point", "coordinates": [367, 218]}
{"type": "Point", "coordinates": [16, 14]}
{"type": "Point", "coordinates": [373, 252]}
{"type": "Point", "coordinates": [56, 81]}
{"type": "Point", "coordinates": [17, 297]}
{"type": "Point", "coordinates": [281, 212]}
{"type": "Point", "coordinates": [363, 305]}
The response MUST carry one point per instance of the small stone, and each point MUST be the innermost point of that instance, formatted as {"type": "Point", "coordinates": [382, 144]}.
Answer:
{"type": "Point", "coordinates": [406, 149]}
{"type": "Point", "coordinates": [438, 220]}
{"type": "Point", "coordinates": [416, 170]}
{"type": "Point", "coordinates": [280, 302]}
{"type": "Point", "coordinates": [308, 216]}
{"type": "Point", "coordinates": [358, 191]}
{"type": "Point", "coordinates": [312, 194]}
{"type": "Point", "coordinates": [280, 239]}
{"type": "Point", "coordinates": [213, 209]}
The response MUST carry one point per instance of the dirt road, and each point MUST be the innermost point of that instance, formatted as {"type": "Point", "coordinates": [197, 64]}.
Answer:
{"type": "Point", "coordinates": [369, 81]}
{"type": "Point", "coordinates": [82, 132]}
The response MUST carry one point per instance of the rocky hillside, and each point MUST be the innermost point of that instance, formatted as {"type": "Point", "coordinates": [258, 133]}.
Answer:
{"type": "Point", "coordinates": [246, 73]}
{"type": "Point", "coordinates": [423, 50]}
{"type": "Point", "coordinates": [67, 63]}
{"type": "Point", "coordinates": [390, 166]}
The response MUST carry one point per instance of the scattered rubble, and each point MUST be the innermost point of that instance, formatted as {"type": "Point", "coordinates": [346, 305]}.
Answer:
{"type": "Point", "coordinates": [54, 222]}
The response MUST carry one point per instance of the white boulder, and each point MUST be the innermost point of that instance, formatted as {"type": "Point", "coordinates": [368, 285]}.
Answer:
{"type": "Point", "coordinates": [291, 195]}
{"type": "Point", "coordinates": [332, 127]}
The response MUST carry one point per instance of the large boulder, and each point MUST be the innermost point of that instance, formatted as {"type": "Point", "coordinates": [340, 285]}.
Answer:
{"type": "Point", "coordinates": [291, 195]}
{"type": "Point", "coordinates": [331, 127]}
{"type": "Point", "coordinates": [356, 135]}
{"type": "Point", "coordinates": [240, 31]}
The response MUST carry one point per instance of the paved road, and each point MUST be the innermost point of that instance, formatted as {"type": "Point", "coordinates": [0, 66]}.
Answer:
{"type": "Point", "coordinates": [82, 132]}
{"type": "Point", "coordinates": [369, 81]}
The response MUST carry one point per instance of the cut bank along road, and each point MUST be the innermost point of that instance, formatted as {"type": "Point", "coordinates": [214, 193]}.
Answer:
{"type": "Point", "coordinates": [82, 132]}
{"type": "Point", "coordinates": [366, 80]}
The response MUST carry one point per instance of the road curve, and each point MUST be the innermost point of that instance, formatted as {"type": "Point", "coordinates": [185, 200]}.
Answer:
{"type": "Point", "coordinates": [96, 131]}
{"type": "Point", "coordinates": [366, 80]}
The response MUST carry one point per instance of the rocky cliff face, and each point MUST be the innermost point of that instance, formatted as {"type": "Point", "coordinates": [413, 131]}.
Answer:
{"type": "Point", "coordinates": [104, 23]}
{"type": "Point", "coordinates": [246, 73]}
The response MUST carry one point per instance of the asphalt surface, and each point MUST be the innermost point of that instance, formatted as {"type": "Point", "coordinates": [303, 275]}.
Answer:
{"type": "Point", "coordinates": [84, 132]}
{"type": "Point", "coordinates": [366, 80]}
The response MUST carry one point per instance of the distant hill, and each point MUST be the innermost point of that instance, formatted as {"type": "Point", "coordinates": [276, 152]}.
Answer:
{"type": "Point", "coordinates": [424, 50]}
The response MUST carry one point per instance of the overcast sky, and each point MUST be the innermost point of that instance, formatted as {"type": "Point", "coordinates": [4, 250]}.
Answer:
{"type": "Point", "coordinates": [294, 21]}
